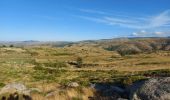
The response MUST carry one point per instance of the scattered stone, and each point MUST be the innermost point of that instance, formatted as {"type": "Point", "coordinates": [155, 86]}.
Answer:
{"type": "Point", "coordinates": [73, 84]}
{"type": "Point", "coordinates": [51, 94]}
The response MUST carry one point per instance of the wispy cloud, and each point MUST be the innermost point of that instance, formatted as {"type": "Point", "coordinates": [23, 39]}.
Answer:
{"type": "Point", "coordinates": [123, 22]}
{"type": "Point", "coordinates": [93, 11]}
{"type": "Point", "coordinates": [157, 21]}
{"type": "Point", "coordinates": [144, 33]}
{"type": "Point", "coordinates": [140, 33]}
{"type": "Point", "coordinates": [107, 13]}
{"type": "Point", "coordinates": [163, 19]}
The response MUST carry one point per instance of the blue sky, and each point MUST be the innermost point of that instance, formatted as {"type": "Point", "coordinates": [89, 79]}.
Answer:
{"type": "Point", "coordinates": [74, 20]}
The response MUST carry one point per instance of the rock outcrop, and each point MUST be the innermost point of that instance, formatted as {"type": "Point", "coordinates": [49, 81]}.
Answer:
{"type": "Point", "coordinates": [152, 89]}
{"type": "Point", "coordinates": [15, 91]}
{"type": "Point", "coordinates": [107, 92]}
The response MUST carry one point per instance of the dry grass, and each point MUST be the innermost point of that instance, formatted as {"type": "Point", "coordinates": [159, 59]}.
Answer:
{"type": "Point", "coordinates": [17, 65]}
{"type": "Point", "coordinates": [65, 94]}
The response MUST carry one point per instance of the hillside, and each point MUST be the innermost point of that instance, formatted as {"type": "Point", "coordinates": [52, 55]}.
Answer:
{"type": "Point", "coordinates": [130, 45]}
{"type": "Point", "coordinates": [81, 70]}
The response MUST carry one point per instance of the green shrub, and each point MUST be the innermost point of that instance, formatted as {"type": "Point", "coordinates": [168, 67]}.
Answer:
{"type": "Point", "coordinates": [79, 62]}
{"type": "Point", "coordinates": [3, 45]}
{"type": "Point", "coordinates": [2, 84]}
{"type": "Point", "coordinates": [11, 45]}
{"type": "Point", "coordinates": [34, 53]}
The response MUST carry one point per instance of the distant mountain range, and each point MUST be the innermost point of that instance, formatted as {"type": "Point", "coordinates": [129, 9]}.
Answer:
{"type": "Point", "coordinates": [136, 44]}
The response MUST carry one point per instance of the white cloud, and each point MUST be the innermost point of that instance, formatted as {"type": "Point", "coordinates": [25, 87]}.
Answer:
{"type": "Point", "coordinates": [99, 20]}
{"type": "Point", "coordinates": [140, 33]}
{"type": "Point", "coordinates": [93, 11]}
{"type": "Point", "coordinates": [155, 25]}
{"type": "Point", "coordinates": [159, 33]}
{"type": "Point", "coordinates": [160, 20]}
{"type": "Point", "coordinates": [144, 33]}
{"type": "Point", "coordinates": [118, 20]}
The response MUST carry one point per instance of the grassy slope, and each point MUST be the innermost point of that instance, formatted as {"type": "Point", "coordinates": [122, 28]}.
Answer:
{"type": "Point", "coordinates": [17, 65]}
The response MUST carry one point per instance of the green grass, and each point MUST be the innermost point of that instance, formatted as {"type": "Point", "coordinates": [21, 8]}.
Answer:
{"type": "Point", "coordinates": [49, 65]}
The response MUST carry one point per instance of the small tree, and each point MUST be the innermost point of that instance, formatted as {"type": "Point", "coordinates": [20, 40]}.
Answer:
{"type": "Point", "coordinates": [79, 62]}
{"type": "Point", "coordinates": [11, 45]}
{"type": "Point", "coordinates": [4, 46]}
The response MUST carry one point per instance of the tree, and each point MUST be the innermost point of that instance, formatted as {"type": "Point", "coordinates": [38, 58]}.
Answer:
{"type": "Point", "coordinates": [4, 46]}
{"type": "Point", "coordinates": [11, 46]}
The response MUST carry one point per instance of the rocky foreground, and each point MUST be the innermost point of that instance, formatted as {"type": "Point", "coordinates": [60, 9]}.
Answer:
{"type": "Point", "coordinates": [151, 89]}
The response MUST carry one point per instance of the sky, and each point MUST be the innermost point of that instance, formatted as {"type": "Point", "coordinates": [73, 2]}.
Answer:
{"type": "Point", "coordinates": [75, 20]}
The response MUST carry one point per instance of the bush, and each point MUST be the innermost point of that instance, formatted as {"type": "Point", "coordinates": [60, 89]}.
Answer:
{"type": "Point", "coordinates": [11, 46]}
{"type": "Point", "coordinates": [79, 62]}
{"type": "Point", "coordinates": [2, 84]}
{"type": "Point", "coordinates": [3, 45]}
{"type": "Point", "coordinates": [34, 53]}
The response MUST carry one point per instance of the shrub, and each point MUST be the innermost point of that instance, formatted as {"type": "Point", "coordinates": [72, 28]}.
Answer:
{"type": "Point", "coordinates": [2, 84]}
{"type": "Point", "coordinates": [11, 45]}
{"type": "Point", "coordinates": [3, 45]}
{"type": "Point", "coordinates": [79, 62]}
{"type": "Point", "coordinates": [34, 53]}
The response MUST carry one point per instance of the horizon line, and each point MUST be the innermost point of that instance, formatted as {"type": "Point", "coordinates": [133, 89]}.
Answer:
{"type": "Point", "coordinates": [84, 39]}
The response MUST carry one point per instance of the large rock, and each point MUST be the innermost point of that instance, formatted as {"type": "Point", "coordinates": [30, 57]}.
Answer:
{"type": "Point", "coordinates": [13, 91]}
{"type": "Point", "coordinates": [152, 89]}
{"type": "Point", "coordinates": [107, 87]}
{"type": "Point", "coordinates": [73, 84]}
{"type": "Point", "coordinates": [108, 92]}
{"type": "Point", "coordinates": [15, 87]}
